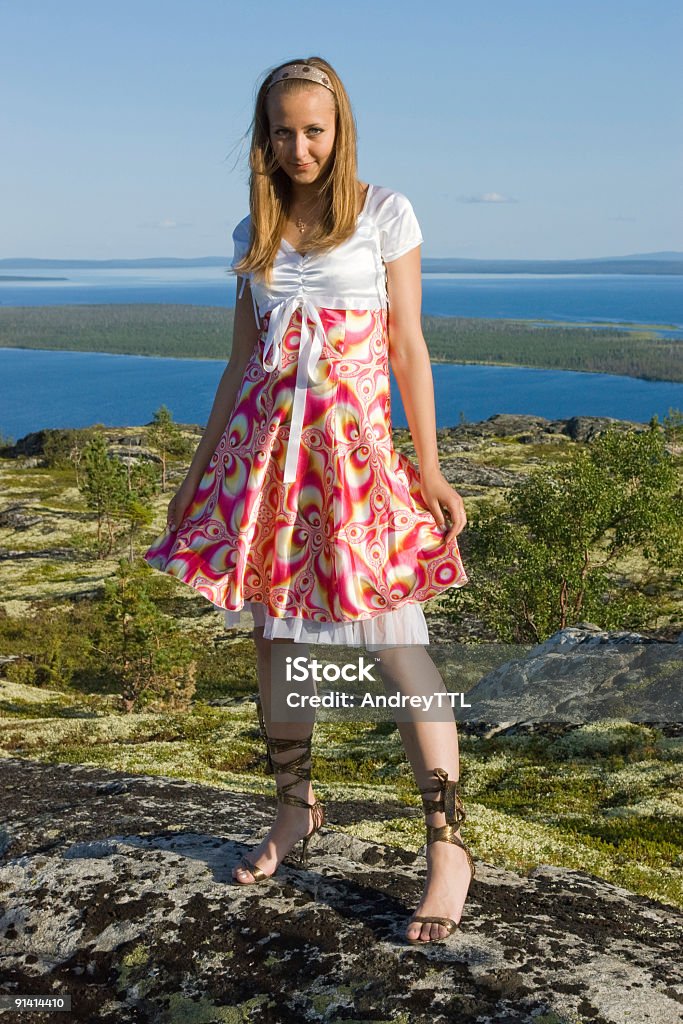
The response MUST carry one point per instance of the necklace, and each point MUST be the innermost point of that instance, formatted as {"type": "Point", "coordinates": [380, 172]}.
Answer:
{"type": "Point", "coordinates": [302, 224]}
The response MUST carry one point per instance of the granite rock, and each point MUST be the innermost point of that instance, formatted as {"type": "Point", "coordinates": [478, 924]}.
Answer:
{"type": "Point", "coordinates": [116, 889]}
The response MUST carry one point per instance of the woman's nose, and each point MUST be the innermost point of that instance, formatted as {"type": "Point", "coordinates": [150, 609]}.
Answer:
{"type": "Point", "coordinates": [301, 148]}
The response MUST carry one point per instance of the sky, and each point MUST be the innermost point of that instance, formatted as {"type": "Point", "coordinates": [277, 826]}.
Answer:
{"type": "Point", "coordinates": [523, 130]}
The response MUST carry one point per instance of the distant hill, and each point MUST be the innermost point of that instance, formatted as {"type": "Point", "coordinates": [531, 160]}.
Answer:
{"type": "Point", "coordinates": [636, 263]}
{"type": "Point", "coordinates": [645, 263]}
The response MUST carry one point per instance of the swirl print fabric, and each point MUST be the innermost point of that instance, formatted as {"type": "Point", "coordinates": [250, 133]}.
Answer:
{"type": "Point", "coordinates": [351, 537]}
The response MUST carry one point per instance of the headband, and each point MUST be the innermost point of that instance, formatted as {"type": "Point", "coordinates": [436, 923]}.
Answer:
{"type": "Point", "coordinates": [306, 71]}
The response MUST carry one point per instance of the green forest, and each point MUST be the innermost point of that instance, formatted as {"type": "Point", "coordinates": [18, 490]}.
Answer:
{"type": "Point", "coordinates": [205, 332]}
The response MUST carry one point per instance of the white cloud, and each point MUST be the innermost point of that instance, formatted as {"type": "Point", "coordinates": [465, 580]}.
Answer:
{"type": "Point", "coordinates": [488, 197]}
{"type": "Point", "coordinates": [167, 224]}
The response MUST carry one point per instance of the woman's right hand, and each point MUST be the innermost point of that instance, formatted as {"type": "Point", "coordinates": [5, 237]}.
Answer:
{"type": "Point", "coordinates": [179, 503]}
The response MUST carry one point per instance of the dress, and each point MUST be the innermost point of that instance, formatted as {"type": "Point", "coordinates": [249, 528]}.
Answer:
{"type": "Point", "coordinates": [306, 516]}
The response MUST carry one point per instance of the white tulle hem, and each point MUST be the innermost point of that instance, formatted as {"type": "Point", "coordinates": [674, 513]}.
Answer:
{"type": "Point", "coordinates": [402, 626]}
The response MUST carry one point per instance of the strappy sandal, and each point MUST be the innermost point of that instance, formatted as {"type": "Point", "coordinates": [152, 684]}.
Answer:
{"type": "Point", "coordinates": [302, 771]}
{"type": "Point", "coordinates": [450, 803]}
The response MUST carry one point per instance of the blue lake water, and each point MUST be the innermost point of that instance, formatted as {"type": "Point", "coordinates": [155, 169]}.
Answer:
{"type": "Point", "coordinates": [40, 388]}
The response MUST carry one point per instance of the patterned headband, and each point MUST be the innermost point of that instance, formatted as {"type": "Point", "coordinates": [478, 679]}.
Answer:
{"type": "Point", "coordinates": [306, 71]}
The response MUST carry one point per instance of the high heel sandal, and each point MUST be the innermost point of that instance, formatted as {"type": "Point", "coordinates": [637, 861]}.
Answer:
{"type": "Point", "coordinates": [303, 773]}
{"type": "Point", "coordinates": [450, 803]}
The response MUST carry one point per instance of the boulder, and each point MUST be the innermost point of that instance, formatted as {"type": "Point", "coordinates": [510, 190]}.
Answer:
{"type": "Point", "coordinates": [582, 674]}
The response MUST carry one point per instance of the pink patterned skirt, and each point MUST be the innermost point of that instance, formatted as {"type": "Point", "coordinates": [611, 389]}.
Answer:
{"type": "Point", "coordinates": [348, 552]}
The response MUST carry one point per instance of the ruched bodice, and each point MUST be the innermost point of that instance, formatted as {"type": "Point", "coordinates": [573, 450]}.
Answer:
{"type": "Point", "coordinates": [351, 276]}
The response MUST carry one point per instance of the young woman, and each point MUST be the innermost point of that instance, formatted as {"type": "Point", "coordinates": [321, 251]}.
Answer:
{"type": "Point", "coordinates": [296, 505]}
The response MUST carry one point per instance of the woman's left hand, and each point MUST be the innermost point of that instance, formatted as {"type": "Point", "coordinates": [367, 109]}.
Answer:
{"type": "Point", "coordinates": [438, 494]}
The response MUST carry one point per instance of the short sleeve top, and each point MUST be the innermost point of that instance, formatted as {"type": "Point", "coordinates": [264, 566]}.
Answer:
{"type": "Point", "coordinates": [350, 276]}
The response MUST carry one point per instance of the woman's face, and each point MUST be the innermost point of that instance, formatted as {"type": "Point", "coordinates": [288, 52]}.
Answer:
{"type": "Point", "coordinates": [302, 130]}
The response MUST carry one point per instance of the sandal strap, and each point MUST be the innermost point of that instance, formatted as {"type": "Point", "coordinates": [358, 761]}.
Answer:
{"type": "Point", "coordinates": [449, 800]}
{"type": "Point", "coordinates": [448, 834]}
{"type": "Point", "coordinates": [447, 922]}
{"type": "Point", "coordinates": [451, 805]}
{"type": "Point", "coordinates": [259, 876]}
{"type": "Point", "coordinates": [278, 746]}
{"type": "Point", "coordinates": [295, 766]}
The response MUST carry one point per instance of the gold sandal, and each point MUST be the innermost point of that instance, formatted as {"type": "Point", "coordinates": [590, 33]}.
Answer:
{"type": "Point", "coordinates": [450, 803]}
{"type": "Point", "coordinates": [303, 772]}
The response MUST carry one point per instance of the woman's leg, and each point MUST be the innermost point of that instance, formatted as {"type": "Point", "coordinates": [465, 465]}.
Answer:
{"type": "Point", "coordinates": [429, 745]}
{"type": "Point", "coordinates": [292, 822]}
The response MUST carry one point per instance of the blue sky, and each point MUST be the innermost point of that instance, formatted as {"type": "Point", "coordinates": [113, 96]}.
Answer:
{"type": "Point", "coordinates": [517, 130]}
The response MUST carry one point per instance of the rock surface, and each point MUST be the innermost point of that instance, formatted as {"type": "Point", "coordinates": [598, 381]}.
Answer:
{"type": "Point", "coordinates": [583, 673]}
{"type": "Point", "coordinates": [116, 889]}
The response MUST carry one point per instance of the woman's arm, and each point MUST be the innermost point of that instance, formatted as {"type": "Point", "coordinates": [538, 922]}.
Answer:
{"type": "Point", "coordinates": [244, 338]}
{"type": "Point", "coordinates": [409, 358]}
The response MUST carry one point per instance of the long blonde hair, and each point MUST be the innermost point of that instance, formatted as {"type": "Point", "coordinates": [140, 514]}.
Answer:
{"type": "Point", "coordinates": [270, 189]}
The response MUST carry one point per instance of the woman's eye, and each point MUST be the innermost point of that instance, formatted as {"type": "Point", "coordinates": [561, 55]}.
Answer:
{"type": "Point", "coordinates": [284, 131]}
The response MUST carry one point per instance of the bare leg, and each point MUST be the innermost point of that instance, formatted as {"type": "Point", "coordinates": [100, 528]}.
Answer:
{"type": "Point", "coordinates": [291, 822]}
{"type": "Point", "coordinates": [430, 745]}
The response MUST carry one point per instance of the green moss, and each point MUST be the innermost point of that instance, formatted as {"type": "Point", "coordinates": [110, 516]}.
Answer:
{"type": "Point", "coordinates": [525, 805]}
{"type": "Point", "coordinates": [183, 1010]}
{"type": "Point", "coordinates": [137, 957]}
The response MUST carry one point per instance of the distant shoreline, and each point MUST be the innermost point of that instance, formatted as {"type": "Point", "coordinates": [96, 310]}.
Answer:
{"type": "Point", "coordinates": [664, 263]}
{"type": "Point", "coordinates": [17, 277]}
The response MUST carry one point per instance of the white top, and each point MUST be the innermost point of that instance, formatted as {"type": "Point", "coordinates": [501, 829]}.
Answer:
{"type": "Point", "coordinates": [350, 276]}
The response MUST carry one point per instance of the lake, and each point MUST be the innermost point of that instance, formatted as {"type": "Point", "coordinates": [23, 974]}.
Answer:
{"type": "Point", "coordinates": [41, 388]}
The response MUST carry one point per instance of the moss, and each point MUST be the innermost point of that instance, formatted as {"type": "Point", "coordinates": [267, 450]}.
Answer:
{"type": "Point", "coordinates": [203, 1011]}
{"type": "Point", "coordinates": [137, 957]}
{"type": "Point", "coordinates": [603, 797]}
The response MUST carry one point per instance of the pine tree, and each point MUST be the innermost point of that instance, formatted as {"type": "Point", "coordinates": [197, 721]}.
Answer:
{"type": "Point", "coordinates": [165, 437]}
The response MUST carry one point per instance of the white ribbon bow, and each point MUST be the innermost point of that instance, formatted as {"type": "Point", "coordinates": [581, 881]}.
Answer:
{"type": "Point", "coordinates": [310, 349]}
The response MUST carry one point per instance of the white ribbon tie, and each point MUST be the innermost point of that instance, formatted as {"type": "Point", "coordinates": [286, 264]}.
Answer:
{"type": "Point", "coordinates": [310, 349]}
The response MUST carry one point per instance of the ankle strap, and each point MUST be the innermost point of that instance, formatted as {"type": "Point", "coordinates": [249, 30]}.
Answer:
{"type": "Point", "coordinates": [450, 803]}
{"type": "Point", "coordinates": [295, 766]}
{"type": "Point", "coordinates": [277, 746]}
{"type": "Point", "coordinates": [449, 800]}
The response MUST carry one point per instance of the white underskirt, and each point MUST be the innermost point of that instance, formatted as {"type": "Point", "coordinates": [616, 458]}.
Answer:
{"type": "Point", "coordinates": [402, 626]}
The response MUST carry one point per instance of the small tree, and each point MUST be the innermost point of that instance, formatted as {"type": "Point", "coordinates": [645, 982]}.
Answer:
{"type": "Point", "coordinates": [136, 510]}
{"type": "Point", "coordinates": [152, 659]}
{"type": "Point", "coordinates": [546, 559]}
{"type": "Point", "coordinates": [673, 426]}
{"type": "Point", "coordinates": [165, 438]}
{"type": "Point", "coordinates": [65, 448]}
{"type": "Point", "coordinates": [104, 486]}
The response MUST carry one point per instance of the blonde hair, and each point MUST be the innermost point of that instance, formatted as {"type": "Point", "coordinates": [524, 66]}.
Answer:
{"type": "Point", "coordinates": [270, 190]}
